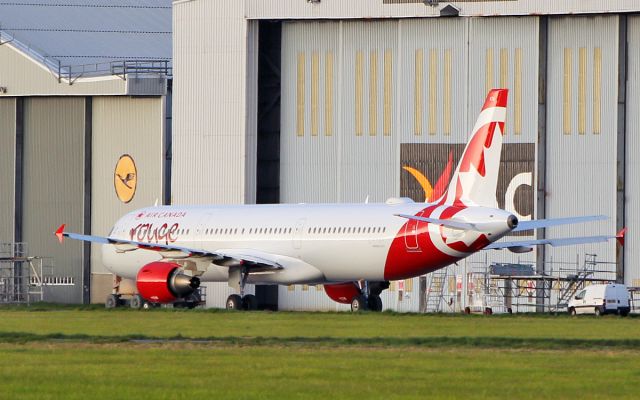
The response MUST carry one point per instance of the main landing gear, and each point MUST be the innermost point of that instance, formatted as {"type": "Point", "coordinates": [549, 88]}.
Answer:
{"type": "Point", "coordinates": [369, 298]}
{"type": "Point", "coordinates": [247, 302]}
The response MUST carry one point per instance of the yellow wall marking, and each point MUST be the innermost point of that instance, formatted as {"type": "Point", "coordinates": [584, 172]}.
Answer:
{"type": "Point", "coordinates": [597, 90]}
{"type": "Point", "coordinates": [315, 89]}
{"type": "Point", "coordinates": [359, 89]}
{"type": "Point", "coordinates": [422, 180]}
{"type": "Point", "coordinates": [488, 70]}
{"type": "Point", "coordinates": [418, 92]}
{"type": "Point", "coordinates": [328, 95]}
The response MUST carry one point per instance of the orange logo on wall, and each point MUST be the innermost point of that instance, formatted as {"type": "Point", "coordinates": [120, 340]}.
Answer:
{"type": "Point", "coordinates": [125, 178]}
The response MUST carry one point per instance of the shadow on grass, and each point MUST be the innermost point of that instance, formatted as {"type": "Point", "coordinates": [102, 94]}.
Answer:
{"type": "Point", "coordinates": [427, 342]}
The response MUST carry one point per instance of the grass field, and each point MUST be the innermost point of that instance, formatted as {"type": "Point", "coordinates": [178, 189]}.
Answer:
{"type": "Point", "coordinates": [97, 353]}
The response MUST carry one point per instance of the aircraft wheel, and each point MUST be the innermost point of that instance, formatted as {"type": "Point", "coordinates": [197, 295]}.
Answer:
{"type": "Point", "coordinates": [234, 302]}
{"type": "Point", "coordinates": [111, 301]}
{"type": "Point", "coordinates": [358, 304]}
{"type": "Point", "coordinates": [249, 302]}
{"type": "Point", "coordinates": [136, 301]}
{"type": "Point", "coordinates": [375, 303]}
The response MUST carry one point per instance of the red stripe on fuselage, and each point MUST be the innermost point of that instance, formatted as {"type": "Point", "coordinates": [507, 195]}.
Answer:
{"type": "Point", "coordinates": [403, 263]}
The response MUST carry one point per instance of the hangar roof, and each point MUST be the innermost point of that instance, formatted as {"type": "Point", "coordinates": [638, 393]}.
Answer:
{"type": "Point", "coordinates": [88, 37]}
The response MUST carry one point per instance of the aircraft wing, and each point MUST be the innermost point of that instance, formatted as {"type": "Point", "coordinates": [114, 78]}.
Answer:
{"type": "Point", "coordinates": [256, 261]}
{"type": "Point", "coordinates": [545, 223]}
{"type": "Point", "coordinates": [521, 245]}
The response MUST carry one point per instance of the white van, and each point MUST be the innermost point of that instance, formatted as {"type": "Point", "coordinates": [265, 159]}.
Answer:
{"type": "Point", "coordinates": [611, 298]}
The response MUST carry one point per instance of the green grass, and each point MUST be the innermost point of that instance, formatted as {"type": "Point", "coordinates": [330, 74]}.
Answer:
{"type": "Point", "coordinates": [73, 352]}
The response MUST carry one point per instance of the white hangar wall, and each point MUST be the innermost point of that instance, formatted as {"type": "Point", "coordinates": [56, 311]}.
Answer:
{"type": "Point", "coordinates": [355, 93]}
{"type": "Point", "coordinates": [632, 183]}
{"type": "Point", "coordinates": [582, 129]}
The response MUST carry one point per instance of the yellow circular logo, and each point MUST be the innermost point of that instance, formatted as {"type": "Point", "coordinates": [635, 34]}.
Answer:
{"type": "Point", "coordinates": [125, 178]}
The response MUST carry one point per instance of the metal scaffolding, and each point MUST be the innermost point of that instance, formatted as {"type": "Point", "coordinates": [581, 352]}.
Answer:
{"type": "Point", "coordinates": [22, 277]}
{"type": "Point", "coordinates": [505, 288]}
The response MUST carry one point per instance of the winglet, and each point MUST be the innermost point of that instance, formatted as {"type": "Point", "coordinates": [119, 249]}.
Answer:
{"type": "Point", "coordinates": [620, 236]}
{"type": "Point", "coordinates": [60, 233]}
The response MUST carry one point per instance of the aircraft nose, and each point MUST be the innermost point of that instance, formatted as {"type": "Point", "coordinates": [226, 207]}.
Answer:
{"type": "Point", "coordinates": [512, 222]}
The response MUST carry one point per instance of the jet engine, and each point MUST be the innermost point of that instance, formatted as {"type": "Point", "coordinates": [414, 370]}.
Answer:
{"type": "Point", "coordinates": [342, 292]}
{"type": "Point", "coordinates": [164, 282]}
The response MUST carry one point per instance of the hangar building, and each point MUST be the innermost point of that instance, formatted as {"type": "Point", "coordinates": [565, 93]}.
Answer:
{"type": "Point", "coordinates": [327, 100]}
{"type": "Point", "coordinates": [81, 85]}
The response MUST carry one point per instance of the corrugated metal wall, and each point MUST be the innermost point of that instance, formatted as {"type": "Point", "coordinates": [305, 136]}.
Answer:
{"type": "Point", "coordinates": [582, 129]}
{"type": "Point", "coordinates": [632, 182]}
{"type": "Point", "coordinates": [122, 125]}
{"type": "Point", "coordinates": [210, 151]}
{"type": "Point", "coordinates": [7, 168]}
{"type": "Point", "coordinates": [54, 134]}
{"type": "Point", "coordinates": [282, 9]}
{"type": "Point", "coordinates": [383, 83]}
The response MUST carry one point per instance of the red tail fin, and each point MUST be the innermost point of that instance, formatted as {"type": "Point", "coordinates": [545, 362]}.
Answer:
{"type": "Point", "coordinates": [620, 236]}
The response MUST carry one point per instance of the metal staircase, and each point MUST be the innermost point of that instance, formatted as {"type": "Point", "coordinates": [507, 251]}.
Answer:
{"type": "Point", "coordinates": [435, 290]}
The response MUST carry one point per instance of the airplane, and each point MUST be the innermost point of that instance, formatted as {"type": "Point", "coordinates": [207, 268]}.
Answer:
{"type": "Point", "coordinates": [354, 250]}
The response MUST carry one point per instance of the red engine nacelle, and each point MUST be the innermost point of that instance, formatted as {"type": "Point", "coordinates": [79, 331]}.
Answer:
{"type": "Point", "coordinates": [163, 282]}
{"type": "Point", "coordinates": [343, 292]}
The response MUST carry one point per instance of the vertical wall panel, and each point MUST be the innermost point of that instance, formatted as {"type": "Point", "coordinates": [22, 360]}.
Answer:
{"type": "Point", "coordinates": [632, 183]}
{"type": "Point", "coordinates": [368, 163]}
{"type": "Point", "coordinates": [54, 185]}
{"type": "Point", "coordinates": [211, 110]}
{"type": "Point", "coordinates": [308, 164]}
{"type": "Point", "coordinates": [581, 165]}
{"type": "Point", "coordinates": [509, 61]}
{"type": "Point", "coordinates": [7, 168]}
{"type": "Point", "coordinates": [122, 125]}
{"type": "Point", "coordinates": [442, 67]}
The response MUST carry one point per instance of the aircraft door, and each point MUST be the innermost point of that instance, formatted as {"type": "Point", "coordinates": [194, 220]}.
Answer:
{"type": "Point", "coordinates": [411, 230]}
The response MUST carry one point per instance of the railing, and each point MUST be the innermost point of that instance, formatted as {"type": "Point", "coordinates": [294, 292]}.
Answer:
{"type": "Point", "coordinates": [71, 73]}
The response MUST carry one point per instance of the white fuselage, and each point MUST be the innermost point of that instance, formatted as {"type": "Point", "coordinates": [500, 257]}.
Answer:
{"type": "Point", "coordinates": [316, 243]}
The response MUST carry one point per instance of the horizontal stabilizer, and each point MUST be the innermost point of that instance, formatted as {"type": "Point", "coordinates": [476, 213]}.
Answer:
{"type": "Point", "coordinates": [545, 223]}
{"type": "Point", "coordinates": [552, 242]}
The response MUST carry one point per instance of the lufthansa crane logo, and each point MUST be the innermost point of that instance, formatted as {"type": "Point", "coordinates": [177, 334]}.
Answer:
{"type": "Point", "coordinates": [125, 178]}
